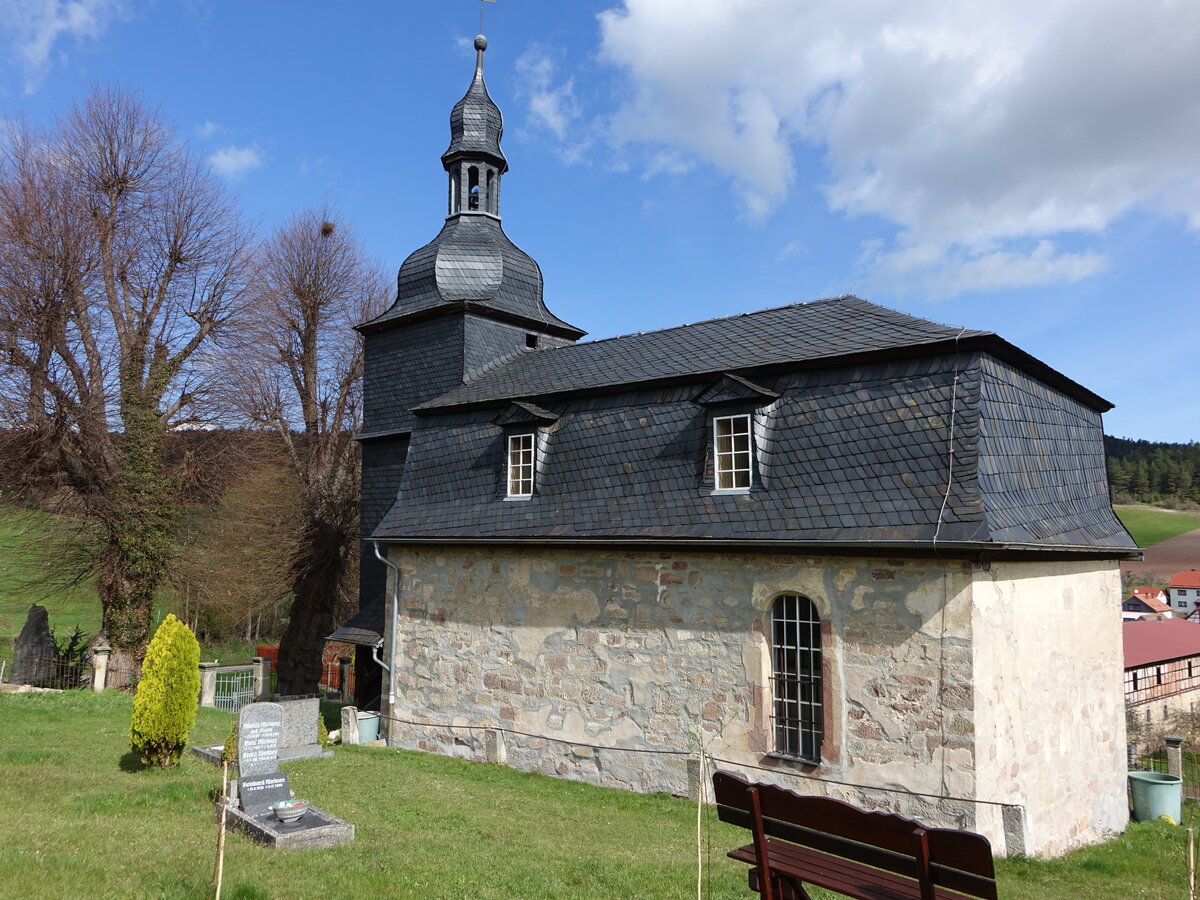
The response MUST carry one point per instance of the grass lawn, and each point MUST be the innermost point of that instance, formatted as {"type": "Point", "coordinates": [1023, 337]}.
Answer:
{"type": "Point", "coordinates": [1150, 525]}
{"type": "Point", "coordinates": [79, 817]}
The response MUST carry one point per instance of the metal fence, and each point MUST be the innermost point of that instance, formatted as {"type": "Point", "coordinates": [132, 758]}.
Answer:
{"type": "Point", "coordinates": [48, 672]}
{"type": "Point", "coordinates": [234, 688]}
{"type": "Point", "coordinates": [337, 676]}
{"type": "Point", "coordinates": [1176, 757]}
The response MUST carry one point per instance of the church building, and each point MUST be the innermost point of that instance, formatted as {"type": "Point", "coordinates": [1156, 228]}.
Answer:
{"type": "Point", "coordinates": [830, 544]}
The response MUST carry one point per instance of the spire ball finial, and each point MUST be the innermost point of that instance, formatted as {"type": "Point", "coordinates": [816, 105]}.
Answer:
{"type": "Point", "coordinates": [480, 43]}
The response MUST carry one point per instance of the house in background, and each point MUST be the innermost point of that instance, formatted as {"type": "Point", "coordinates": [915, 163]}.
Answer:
{"type": "Point", "coordinates": [1162, 668]}
{"type": "Point", "coordinates": [1183, 592]}
{"type": "Point", "coordinates": [828, 540]}
{"type": "Point", "coordinates": [1145, 602]}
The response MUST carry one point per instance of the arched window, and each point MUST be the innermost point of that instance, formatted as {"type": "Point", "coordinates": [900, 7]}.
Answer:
{"type": "Point", "coordinates": [473, 188]}
{"type": "Point", "coordinates": [798, 711]}
{"type": "Point", "coordinates": [491, 191]}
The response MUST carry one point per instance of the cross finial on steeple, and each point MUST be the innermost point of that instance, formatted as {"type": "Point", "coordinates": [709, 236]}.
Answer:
{"type": "Point", "coordinates": [481, 2]}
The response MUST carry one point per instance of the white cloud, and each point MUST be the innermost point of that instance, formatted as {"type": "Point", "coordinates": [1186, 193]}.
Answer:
{"type": "Point", "coordinates": [790, 250]}
{"type": "Point", "coordinates": [209, 129]}
{"type": "Point", "coordinates": [938, 271]}
{"type": "Point", "coordinates": [551, 106]}
{"type": "Point", "coordinates": [234, 161]}
{"type": "Point", "coordinates": [980, 130]}
{"type": "Point", "coordinates": [34, 28]}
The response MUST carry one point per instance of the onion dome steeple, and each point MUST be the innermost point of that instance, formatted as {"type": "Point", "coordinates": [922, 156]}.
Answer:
{"type": "Point", "coordinates": [472, 263]}
{"type": "Point", "coordinates": [474, 158]}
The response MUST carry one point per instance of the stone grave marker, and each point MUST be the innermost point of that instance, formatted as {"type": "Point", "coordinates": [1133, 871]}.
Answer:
{"type": "Point", "coordinates": [299, 738]}
{"type": "Point", "coordinates": [33, 652]}
{"type": "Point", "coordinates": [260, 725]}
{"type": "Point", "coordinates": [260, 729]}
{"type": "Point", "coordinates": [260, 783]}
{"type": "Point", "coordinates": [259, 791]}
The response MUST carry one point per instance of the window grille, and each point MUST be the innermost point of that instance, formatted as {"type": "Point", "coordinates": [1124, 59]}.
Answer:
{"type": "Point", "coordinates": [731, 453]}
{"type": "Point", "coordinates": [520, 465]}
{"type": "Point", "coordinates": [796, 677]}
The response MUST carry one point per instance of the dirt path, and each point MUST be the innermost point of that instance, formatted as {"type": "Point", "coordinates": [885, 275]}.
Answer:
{"type": "Point", "coordinates": [1166, 559]}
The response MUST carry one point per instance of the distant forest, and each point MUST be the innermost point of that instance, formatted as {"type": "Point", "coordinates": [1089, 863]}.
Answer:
{"type": "Point", "coordinates": [1146, 472]}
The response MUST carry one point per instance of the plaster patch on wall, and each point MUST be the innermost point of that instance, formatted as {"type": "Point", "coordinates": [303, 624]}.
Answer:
{"type": "Point", "coordinates": [541, 608]}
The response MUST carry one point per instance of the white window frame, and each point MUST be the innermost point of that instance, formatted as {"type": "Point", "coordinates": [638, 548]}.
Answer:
{"type": "Point", "coordinates": [733, 463]}
{"type": "Point", "coordinates": [519, 469]}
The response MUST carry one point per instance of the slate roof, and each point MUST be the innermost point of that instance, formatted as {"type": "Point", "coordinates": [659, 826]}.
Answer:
{"type": "Point", "coordinates": [472, 261]}
{"type": "Point", "coordinates": [824, 331]}
{"type": "Point", "coordinates": [853, 408]}
{"type": "Point", "coordinates": [476, 125]}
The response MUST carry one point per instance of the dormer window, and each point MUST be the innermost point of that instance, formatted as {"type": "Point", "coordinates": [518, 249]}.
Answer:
{"type": "Point", "coordinates": [527, 429]}
{"type": "Point", "coordinates": [520, 466]}
{"type": "Point", "coordinates": [734, 405]}
{"type": "Point", "coordinates": [733, 465]}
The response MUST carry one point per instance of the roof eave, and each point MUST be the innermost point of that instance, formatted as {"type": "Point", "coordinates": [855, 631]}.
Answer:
{"type": "Point", "coordinates": [940, 548]}
{"type": "Point", "coordinates": [481, 307]}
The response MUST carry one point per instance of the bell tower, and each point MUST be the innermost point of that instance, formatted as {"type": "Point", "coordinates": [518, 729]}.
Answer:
{"type": "Point", "coordinates": [474, 159]}
{"type": "Point", "coordinates": [468, 301]}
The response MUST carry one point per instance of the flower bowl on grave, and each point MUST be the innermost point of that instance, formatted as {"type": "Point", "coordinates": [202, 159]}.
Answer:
{"type": "Point", "coordinates": [287, 811]}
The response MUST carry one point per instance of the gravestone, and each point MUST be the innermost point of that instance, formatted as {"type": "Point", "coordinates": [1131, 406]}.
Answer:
{"type": "Point", "coordinates": [299, 738]}
{"type": "Point", "coordinates": [260, 791]}
{"type": "Point", "coordinates": [261, 727]}
{"type": "Point", "coordinates": [33, 652]}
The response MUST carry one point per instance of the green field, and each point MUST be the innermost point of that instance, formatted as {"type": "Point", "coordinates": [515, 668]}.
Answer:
{"type": "Point", "coordinates": [23, 584]}
{"type": "Point", "coordinates": [79, 815]}
{"type": "Point", "coordinates": [1150, 525]}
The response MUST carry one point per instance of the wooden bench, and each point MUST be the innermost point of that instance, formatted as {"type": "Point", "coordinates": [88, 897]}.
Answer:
{"type": "Point", "coordinates": [870, 855]}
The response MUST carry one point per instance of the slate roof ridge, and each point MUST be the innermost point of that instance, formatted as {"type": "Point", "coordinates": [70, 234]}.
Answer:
{"type": "Point", "coordinates": [867, 305]}
{"type": "Point", "coordinates": [933, 332]}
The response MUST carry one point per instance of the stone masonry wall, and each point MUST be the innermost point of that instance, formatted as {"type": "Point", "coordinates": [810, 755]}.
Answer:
{"type": "Point", "coordinates": [584, 649]}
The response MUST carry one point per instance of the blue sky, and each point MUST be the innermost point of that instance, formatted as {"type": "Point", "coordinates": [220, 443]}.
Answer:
{"type": "Point", "coordinates": [1028, 167]}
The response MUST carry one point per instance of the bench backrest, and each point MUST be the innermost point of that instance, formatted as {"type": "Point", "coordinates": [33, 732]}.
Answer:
{"type": "Point", "coordinates": [959, 861]}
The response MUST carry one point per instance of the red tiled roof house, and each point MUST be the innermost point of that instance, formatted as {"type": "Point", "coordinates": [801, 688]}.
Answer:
{"type": "Point", "coordinates": [1162, 668]}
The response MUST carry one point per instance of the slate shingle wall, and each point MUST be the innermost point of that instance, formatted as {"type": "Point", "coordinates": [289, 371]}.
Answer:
{"type": "Point", "coordinates": [406, 365]}
{"type": "Point", "coordinates": [856, 453]}
{"type": "Point", "coordinates": [382, 465]}
{"type": "Point", "coordinates": [1041, 468]}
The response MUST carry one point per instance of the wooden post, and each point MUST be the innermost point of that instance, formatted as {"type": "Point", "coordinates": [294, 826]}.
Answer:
{"type": "Point", "coordinates": [1191, 867]}
{"type": "Point", "coordinates": [221, 833]}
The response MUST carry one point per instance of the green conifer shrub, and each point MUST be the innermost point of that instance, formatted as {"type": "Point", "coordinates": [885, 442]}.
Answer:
{"type": "Point", "coordinates": [164, 709]}
{"type": "Point", "coordinates": [230, 754]}
{"type": "Point", "coordinates": [322, 732]}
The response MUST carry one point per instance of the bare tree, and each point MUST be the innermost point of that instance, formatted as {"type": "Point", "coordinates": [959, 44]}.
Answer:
{"type": "Point", "coordinates": [235, 566]}
{"type": "Point", "coordinates": [298, 371]}
{"type": "Point", "coordinates": [121, 258]}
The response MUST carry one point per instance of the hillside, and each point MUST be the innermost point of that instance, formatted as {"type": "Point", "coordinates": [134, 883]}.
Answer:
{"type": "Point", "coordinates": [1150, 472]}
{"type": "Point", "coordinates": [21, 585]}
